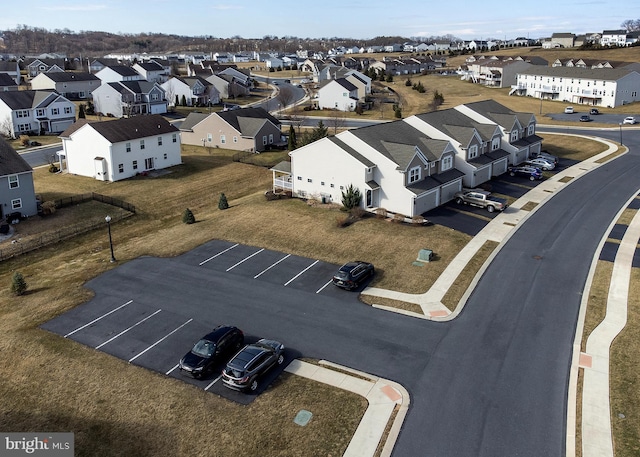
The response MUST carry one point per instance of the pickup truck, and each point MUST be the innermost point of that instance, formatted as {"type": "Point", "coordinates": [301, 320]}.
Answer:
{"type": "Point", "coordinates": [480, 198]}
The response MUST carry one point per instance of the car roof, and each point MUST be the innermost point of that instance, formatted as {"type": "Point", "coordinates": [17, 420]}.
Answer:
{"type": "Point", "coordinates": [218, 332]}
{"type": "Point", "coordinates": [246, 355]}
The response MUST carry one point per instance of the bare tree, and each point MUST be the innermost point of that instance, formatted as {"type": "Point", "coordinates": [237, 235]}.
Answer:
{"type": "Point", "coordinates": [337, 119]}
{"type": "Point", "coordinates": [6, 126]}
{"type": "Point", "coordinates": [285, 96]}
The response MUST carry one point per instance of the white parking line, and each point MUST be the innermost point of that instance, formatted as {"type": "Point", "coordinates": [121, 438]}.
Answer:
{"type": "Point", "coordinates": [126, 330]}
{"type": "Point", "coordinates": [219, 253]}
{"type": "Point", "coordinates": [159, 341]}
{"type": "Point", "coordinates": [299, 274]}
{"type": "Point", "coordinates": [213, 382]}
{"type": "Point", "coordinates": [97, 319]}
{"type": "Point", "coordinates": [273, 265]}
{"type": "Point", "coordinates": [176, 366]}
{"type": "Point", "coordinates": [244, 260]}
{"type": "Point", "coordinates": [322, 288]}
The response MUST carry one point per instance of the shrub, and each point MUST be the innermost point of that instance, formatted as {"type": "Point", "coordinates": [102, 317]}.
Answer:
{"type": "Point", "coordinates": [343, 221]}
{"type": "Point", "coordinates": [381, 213]}
{"type": "Point", "coordinates": [222, 202]}
{"type": "Point", "coordinates": [188, 217]}
{"type": "Point", "coordinates": [18, 284]}
{"type": "Point", "coordinates": [351, 197]}
{"type": "Point", "coordinates": [48, 207]}
{"type": "Point", "coordinates": [399, 218]}
{"type": "Point", "coordinates": [24, 140]}
{"type": "Point", "coordinates": [53, 168]}
{"type": "Point", "coordinates": [357, 213]}
{"type": "Point", "coordinates": [418, 219]}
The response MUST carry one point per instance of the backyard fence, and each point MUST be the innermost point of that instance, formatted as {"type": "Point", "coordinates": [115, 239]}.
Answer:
{"type": "Point", "coordinates": [48, 238]}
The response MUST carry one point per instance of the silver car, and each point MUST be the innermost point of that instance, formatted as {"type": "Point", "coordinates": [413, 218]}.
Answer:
{"type": "Point", "coordinates": [542, 163]}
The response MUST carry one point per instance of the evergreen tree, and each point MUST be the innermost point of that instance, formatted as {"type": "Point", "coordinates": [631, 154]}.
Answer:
{"type": "Point", "coordinates": [292, 141]}
{"type": "Point", "coordinates": [18, 284]}
{"type": "Point", "coordinates": [81, 113]}
{"type": "Point", "coordinates": [319, 132]}
{"type": "Point", "coordinates": [351, 197]}
{"type": "Point", "coordinates": [188, 217]}
{"type": "Point", "coordinates": [176, 102]}
{"type": "Point", "coordinates": [222, 202]}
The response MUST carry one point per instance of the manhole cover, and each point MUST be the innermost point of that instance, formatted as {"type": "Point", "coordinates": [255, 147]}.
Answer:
{"type": "Point", "coordinates": [303, 417]}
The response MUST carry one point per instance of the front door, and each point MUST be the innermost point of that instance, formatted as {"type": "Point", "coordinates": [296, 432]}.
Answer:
{"type": "Point", "coordinates": [148, 163]}
{"type": "Point", "coordinates": [369, 198]}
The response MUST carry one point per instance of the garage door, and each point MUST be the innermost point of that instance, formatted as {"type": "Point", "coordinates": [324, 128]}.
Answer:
{"type": "Point", "coordinates": [448, 191]}
{"type": "Point", "coordinates": [425, 202]}
{"type": "Point", "coordinates": [500, 167]}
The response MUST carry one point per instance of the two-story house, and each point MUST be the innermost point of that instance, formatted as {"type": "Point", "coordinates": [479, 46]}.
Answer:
{"type": "Point", "coordinates": [118, 73]}
{"type": "Point", "coordinates": [338, 94]}
{"type": "Point", "coordinates": [34, 112]}
{"type": "Point", "coordinates": [72, 85]}
{"type": "Point", "coordinates": [12, 69]}
{"type": "Point", "coordinates": [37, 66]}
{"type": "Point", "coordinates": [152, 71]}
{"type": "Point", "coordinates": [194, 91]}
{"type": "Point", "coordinates": [7, 83]}
{"type": "Point", "coordinates": [17, 192]}
{"type": "Point", "coordinates": [129, 98]}
{"type": "Point", "coordinates": [119, 149]}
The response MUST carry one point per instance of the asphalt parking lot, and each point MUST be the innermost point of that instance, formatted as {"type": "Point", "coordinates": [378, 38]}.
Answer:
{"type": "Point", "coordinates": [155, 332]}
{"type": "Point", "coordinates": [470, 219]}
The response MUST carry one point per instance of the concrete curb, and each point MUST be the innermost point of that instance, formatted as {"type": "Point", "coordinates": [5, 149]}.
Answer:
{"type": "Point", "coordinates": [384, 397]}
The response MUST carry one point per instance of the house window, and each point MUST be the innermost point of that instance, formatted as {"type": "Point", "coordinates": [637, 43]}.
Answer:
{"type": "Point", "coordinates": [67, 110]}
{"type": "Point", "coordinates": [141, 144]}
{"type": "Point", "coordinates": [414, 174]}
{"type": "Point", "coordinates": [24, 127]}
{"type": "Point", "coordinates": [332, 185]}
{"type": "Point", "coordinates": [154, 97]}
{"type": "Point", "coordinates": [447, 163]}
{"type": "Point", "coordinates": [264, 140]}
{"type": "Point", "coordinates": [164, 156]}
{"type": "Point", "coordinates": [55, 111]}
{"type": "Point", "coordinates": [309, 180]}
{"type": "Point", "coordinates": [299, 178]}
{"type": "Point", "coordinates": [271, 138]}
{"type": "Point", "coordinates": [495, 144]}
{"type": "Point", "coordinates": [174, 138]}
{"type": "Point", "coordinates": [322, 183]}
{"type": "Point", "coordinates": [16, 203]}
{"type": "Point", "coordinates": [120, 168]}
{"type": "Point", "coordinates": [22, 113]}
{"type": "Point", "coordinates": [531, 130]}
{"type": "Point", "coordinates": [514, 135]}
{"type": "Point", "coordinates": [223, 139]}
{"type": "Point", "coordinates": [14, 183]}
{"type": "Point", "coordinates": [40, 112]}
{"type": "Point", "coordinates": [473, 151]}
{"type": "Point", "coordinates": [148, 163]}
{"type": "Point", "coordinates": [235, 139]}
{"type": "Point", "coordinates": [135, 164]}
{"type": "Point", "coordinates": [128, 147]}
{"type": "Point", "coordinates": [209, 138]}
{"type": "Point", "coordinates": [159, 141]}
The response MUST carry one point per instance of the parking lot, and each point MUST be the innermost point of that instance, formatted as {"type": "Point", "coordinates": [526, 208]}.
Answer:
{"type": "Point", "coordinates": [470, 219]}
{"type": "Point", "coordinates": [154, 329]}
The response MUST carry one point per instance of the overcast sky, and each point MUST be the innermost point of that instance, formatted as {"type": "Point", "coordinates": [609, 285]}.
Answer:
{"type": "Point", "coordinates": [359, 19]}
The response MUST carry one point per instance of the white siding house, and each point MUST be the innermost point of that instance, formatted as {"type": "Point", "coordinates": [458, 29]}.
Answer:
{"type": "Point", "coordinates": [338, 94]}
{"type": "Point", "coordinates": [34, 112]}
{"type": "Point", "coordinates": [119, 149]}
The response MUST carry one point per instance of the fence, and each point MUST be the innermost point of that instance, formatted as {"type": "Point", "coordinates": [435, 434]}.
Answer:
{"type": "Point", "coordinates": [22, 247]}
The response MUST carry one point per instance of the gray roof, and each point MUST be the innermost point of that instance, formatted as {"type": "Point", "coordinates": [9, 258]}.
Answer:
{"type": "Point", "coordinates": [192, 120]}
{"type": "Point", "coordinates": [6, 80]}
{"type": "Point", "coordinates": [67, 76]}
{"type": "Point", "coordinates": [499, 114]}
{"type": "Point", "coordinates": [126, 129]}
{"type": "Point", "coordinates": [137, 87]}
{"type": "Point", "coordinates": [25, 99]}
{"type": "Point", "coordinates": [457, 125]}
{"type": "Point", "coordinates": [607, 74]}
{"type": "Point", "coordinates": [11, 162]}
{"type": "Point", "coordinates": [248, 118]}
{"type": "Point", "coordinates": [352, 152]}
{"type": "Point", "coordinates": [123, 70]}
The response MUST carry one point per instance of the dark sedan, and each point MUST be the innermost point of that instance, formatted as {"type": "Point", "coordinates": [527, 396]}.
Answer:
{"type": "Point", "coordinates": [213, 348]}
{"type": "Point", "coordinates": [352, 274]}
{"type": "Point", "coordinates": [532, 173]}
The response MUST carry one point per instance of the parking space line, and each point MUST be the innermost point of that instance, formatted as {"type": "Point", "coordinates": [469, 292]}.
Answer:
{"type": "Point", "coordinates": [299, 274]}
{"type": "Point", "coordinates": [219, 253]}
{"type": "Point", "coordinates": [272, 265]}
{"type": "Point", "coordinates": [244, 260]}
{"type": "Point", "coordinates": [159, 341]}
{"type": "Point", "coordinates": [126, 330]}
{"type": "Point", "coordinates": [322, 288]}
{"type": "Point", "coordinates": [213, 382]}
{"type": "Point", "coordinates": [176, 366]}
{"type": "Point", "coordinates": [97, 319]}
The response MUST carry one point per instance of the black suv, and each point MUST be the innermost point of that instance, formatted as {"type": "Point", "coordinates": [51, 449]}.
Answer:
{"type": "Point", "coordinates": [352, 274]}
{"type": "Point", "coordinates": [254, 360]}
{"type": "Point", "coordinates": [212, 349]}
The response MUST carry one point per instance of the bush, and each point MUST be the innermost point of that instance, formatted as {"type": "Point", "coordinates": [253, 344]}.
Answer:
{"type": "Point", "coordinates": [418, 220]}
{"type": "Point", "coordinates": [399, 218]}
{"type": "Point", "coordinates": [222, 202]}
{"type": "Point", "coordinates": [188, 217]}
{"type": "Point", "coordinates": [18, 284]}
{"type": "Point", "coordinates": [53, 168]}
{"type": "Point", "coordinates": [48, 207]}
{"type": "Point", "coordinates": [357, 213]}
{"type": "Point", "coordinates": [381, 213]}
{"type": "Point", "coordinates": [343, 221]}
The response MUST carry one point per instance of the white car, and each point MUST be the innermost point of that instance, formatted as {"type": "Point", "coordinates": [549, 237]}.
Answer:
{"type": "Point", "coordinates": [568, 110]}
{"type": "Point", "coordinates": [629, 120]}
{"type": "Point", "coordinates": [542, 163]}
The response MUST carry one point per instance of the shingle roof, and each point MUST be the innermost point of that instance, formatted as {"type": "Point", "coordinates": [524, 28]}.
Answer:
{"type": "Point", "coordinates": [607, 74]}
{"type": "Point", "coordinates": [132, 128]}
{"type": "Point", "coordinates": [24, 99]}
{"type": "Point", "coordinates": [6, 80]}
{"type": "Point", "coordinates": [123, 70]}
{"type": "Point", "coordinates": [10, 161]}
{"type": "Point", "coordinates": [499, 114]}
{"type": "Point", "coordinates": [233, 117]}
{"type": "Point", "coordinates": [192, 120]}
{"type": "Point", "coordinates": [67, 76]}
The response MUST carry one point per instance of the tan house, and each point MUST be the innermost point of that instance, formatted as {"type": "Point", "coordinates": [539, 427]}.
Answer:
{"type": "Point", "coordinates": [245, 129]}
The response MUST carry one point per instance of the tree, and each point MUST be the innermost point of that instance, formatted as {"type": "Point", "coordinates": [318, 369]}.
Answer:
{"type": "Point", "coordinates": [184, 100]}
{"type": "Point", "coordinates": [222, 202]}
{"type": "Point", "coordinates": [188, 217]}
{"type": "Point", "coordinates": [292, 140]}
{"type": "Point", "coordinates": [18, 284]}
{"type": "Point", "coordinates": [285, 96]}
{"type": "Point", "coordinates": [337, 119]}
{"type": "Point", "coordinates": [351, 197]}
{"type": "Point", "coordinates": [81, 113]}
{"type": "Point", "coordinates": [319, 132]}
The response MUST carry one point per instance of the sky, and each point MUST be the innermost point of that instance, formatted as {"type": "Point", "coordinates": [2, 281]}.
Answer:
{"type": "Point", "coordinates": [358, 19]}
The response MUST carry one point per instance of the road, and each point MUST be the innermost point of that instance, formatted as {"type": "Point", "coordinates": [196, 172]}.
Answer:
{"type": "Point", "coordinates": [37, 157]}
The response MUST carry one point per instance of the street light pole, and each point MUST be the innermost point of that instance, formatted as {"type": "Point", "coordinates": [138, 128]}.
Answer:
{"type": "Point", "coordinates": [620, 124]}
{"type": "Point", "coordinates": [108, 220]}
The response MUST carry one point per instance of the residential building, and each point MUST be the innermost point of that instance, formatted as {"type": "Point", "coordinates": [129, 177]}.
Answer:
{"type": "Point", "coordinates": [17, 192]}
{"type": "Point", "coordinates": [37, 66]}
{"type": "Point", "coordinates": [28, 112]}
{"type": "Point", "coordinates": [565, 40]}
{"type": "Point", "coordinates": [129, 98]}
{"type": "Point", "coordinates": [194, 91]}
{"type": "Point", "coordinates": [244, 129]}
{"type": "Point", "coordinates": [119, 149]}
{"type": "Point", "coordinates": [7, 83]}
{"type": "Point", "coordinates": [608, 87]}
{"type": "Point", "coordinates": [12, 69]}
{"type": "Point", "coordinates": [72, 85]}
{"type": "Point", "coordinates": [152, 71]}
{"type": "Point", "coordinates": [339, 94]}
{"type": "Point", "coordinates": [118, 73]}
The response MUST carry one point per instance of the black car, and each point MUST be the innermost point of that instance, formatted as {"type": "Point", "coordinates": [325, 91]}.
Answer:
{"type": "Point", "coordinates": [352, 274]}
{"type": "Point", "coordinates": [530, 172]}
{"type": "Point", "coordinates": [254, 360]}
{"type": "Point", "coordinates": [585, 118]}
{"type": "Point", "coordinates": [594, 111]}
{"type": "Point", "coordinates": [214, 348]}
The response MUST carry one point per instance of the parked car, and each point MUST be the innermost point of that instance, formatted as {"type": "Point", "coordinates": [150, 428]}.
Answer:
{"type": "Point", "coordinates": [594, 111]}
{"type": "Point", "coordinates": [34, 143]}
{"type": "Point", "coordinates": [568, 110]}
{"type": "Point", "coordinates": [481, 198]}
{"type": "Point", "coordinates": [629, 120]}
{"type": "Point", "coordinates": [352, 274]}
{"type": "Point", "coordinates": [545, 155]}
{"type": "Point", "coordinates": [254, 360]}
{"type": "Point", "coordinates": [212, 349]}
{"type": "Point", "coordinates": [542, 163]}
{"type": "Point", "coordinates": [585, 118]}
{"type": "Point", "coordinates": [532, 173]}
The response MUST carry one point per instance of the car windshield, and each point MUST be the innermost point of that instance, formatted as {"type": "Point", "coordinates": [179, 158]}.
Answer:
{"type": "Point", "coordinates": [204, 348]}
